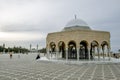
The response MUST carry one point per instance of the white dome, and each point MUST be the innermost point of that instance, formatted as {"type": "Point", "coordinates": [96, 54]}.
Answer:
{"type": "Point", "coordinates": [76, 24]}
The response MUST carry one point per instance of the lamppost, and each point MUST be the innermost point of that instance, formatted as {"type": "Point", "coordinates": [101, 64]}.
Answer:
{"type": "Point", "coordinates": [30, 47]}
{"type": "Point", "coordinates": [3, 48]}
{"type": "Point", "coordinates": [37, 48]}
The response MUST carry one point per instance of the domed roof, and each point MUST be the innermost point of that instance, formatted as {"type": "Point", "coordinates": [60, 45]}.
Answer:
{"type": "Point", "coordinates": [76, 24]}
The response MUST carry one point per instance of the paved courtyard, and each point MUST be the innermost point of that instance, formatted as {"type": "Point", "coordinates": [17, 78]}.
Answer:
{"type": "Point", "coordinates": [27, 68]}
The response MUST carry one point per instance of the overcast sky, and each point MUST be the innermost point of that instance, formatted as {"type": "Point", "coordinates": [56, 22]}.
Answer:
{"type": "Point", "coordinates": [29, 21]}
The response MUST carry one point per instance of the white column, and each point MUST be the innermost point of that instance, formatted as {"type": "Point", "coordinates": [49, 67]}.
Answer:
{"type": "Point", "coordinates": [93, 53]}
{"type": "Point", "coordinates": [66, 54]}
{"type": "Point", "coordinates": [109, 55]}
{"type": "Point", "coordinates": [89, 53]}
{"type": "Point", "coordinates": [98, 49]}
{"type": "Point", "coordinates": [103, 54]}
{"type": "Point", "coordinates": [56, 53]}
{"type": "Point", "coordinates": [78, 54]}
{"type": "Point", "coordinates": [48, 54]}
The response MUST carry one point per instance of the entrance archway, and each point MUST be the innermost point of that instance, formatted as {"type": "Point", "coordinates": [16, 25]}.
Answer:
{"type": "Point", "coordinates": [52, 47]}
{"type": "Point", "coordinates": [94, 49]}
{"type": "Point", "coordinates": [61, 46]}
{"type": "Point", "coordinates": [83, 51]}
{"type": "Point", "coordinates": [72, 53]}
{"type": "Point", "coordinates": [105, 49]}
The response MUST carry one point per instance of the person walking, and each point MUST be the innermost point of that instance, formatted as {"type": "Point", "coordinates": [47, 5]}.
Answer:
{"type": "Point", "coordinates": [10, 55]}
{"type": "Point", "coordinates": [38, 56]}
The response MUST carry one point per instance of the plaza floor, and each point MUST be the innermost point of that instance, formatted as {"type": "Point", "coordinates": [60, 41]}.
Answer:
{"type": "Point", "coordinates": [26, 67]}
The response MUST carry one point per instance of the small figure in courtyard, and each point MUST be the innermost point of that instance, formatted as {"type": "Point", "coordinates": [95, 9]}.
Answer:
{"type": "Point", "coordinates": [10, 55]}
{"type": "Point", "coordinates": [38, 56]}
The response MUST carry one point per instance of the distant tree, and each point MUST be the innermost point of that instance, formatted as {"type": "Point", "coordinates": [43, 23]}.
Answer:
{"type": "Point", "coordinates": [14, 49]}
{"type": "Point", "coordinates": [1, 48]}
{"type": "Point", "coordinates": [119, 50]}
{"type": "Point", "coordinates": [43, 50]}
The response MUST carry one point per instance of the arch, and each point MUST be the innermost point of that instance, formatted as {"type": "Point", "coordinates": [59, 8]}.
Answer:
{"type": "Point", "coordinates": [104, 43]}
{"type": "Point", "coordinates": [72, 51]}
{"type": "Point", "coordinates": [83, 51]}
{"type": "Point", "coordinates": [105, 49]}
{"type": "Point", "coordinates": [94, 43]}
{"type": "Point", "coordinates": [61, 46]}
{"type": "Point", "coordinates": [94, 48]}
{"type": "Point", "coordinates": [52, 47]}
{"type": "Point", "coordinates": [72, 42]}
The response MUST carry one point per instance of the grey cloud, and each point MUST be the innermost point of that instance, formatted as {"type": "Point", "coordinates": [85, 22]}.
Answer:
{"type": "Point", "coordinates": [51, 16]}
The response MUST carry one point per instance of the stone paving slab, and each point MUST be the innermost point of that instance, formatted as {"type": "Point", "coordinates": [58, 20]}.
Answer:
{"type": "Point", "coordinates": [30, 69]}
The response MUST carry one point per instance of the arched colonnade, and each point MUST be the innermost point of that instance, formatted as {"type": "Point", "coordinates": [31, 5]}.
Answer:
{"type": "Point", "coordinates": [83, 50]}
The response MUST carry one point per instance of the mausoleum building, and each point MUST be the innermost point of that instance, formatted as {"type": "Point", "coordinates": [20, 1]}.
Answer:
{"type": "Point", "coordinates": [78, 41]}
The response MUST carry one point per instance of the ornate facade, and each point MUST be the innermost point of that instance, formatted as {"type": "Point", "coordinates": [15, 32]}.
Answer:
{"type": "Point", "coordinates": [78, 41]}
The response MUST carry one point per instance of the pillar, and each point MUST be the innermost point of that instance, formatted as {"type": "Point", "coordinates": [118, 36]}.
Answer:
{"type": "Point", "coordinates": [93, 53]}
{"type": "Point", "coordinates": [98, 49]}
{"type": "Point", "coordinates": [66, 54]}
{"type": "Point", "coordinates": [48, 54]}
{"type": "Point", "coordinates": [78, 54]}
{"type": "Point", "coordinates": [103, 53]}
{"type": "Point", "coordinates": [57, 53]}
{"type": "Point", "coordinates": [89, 53]}
{"type": "Point", "coordinates": [109, 55]}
